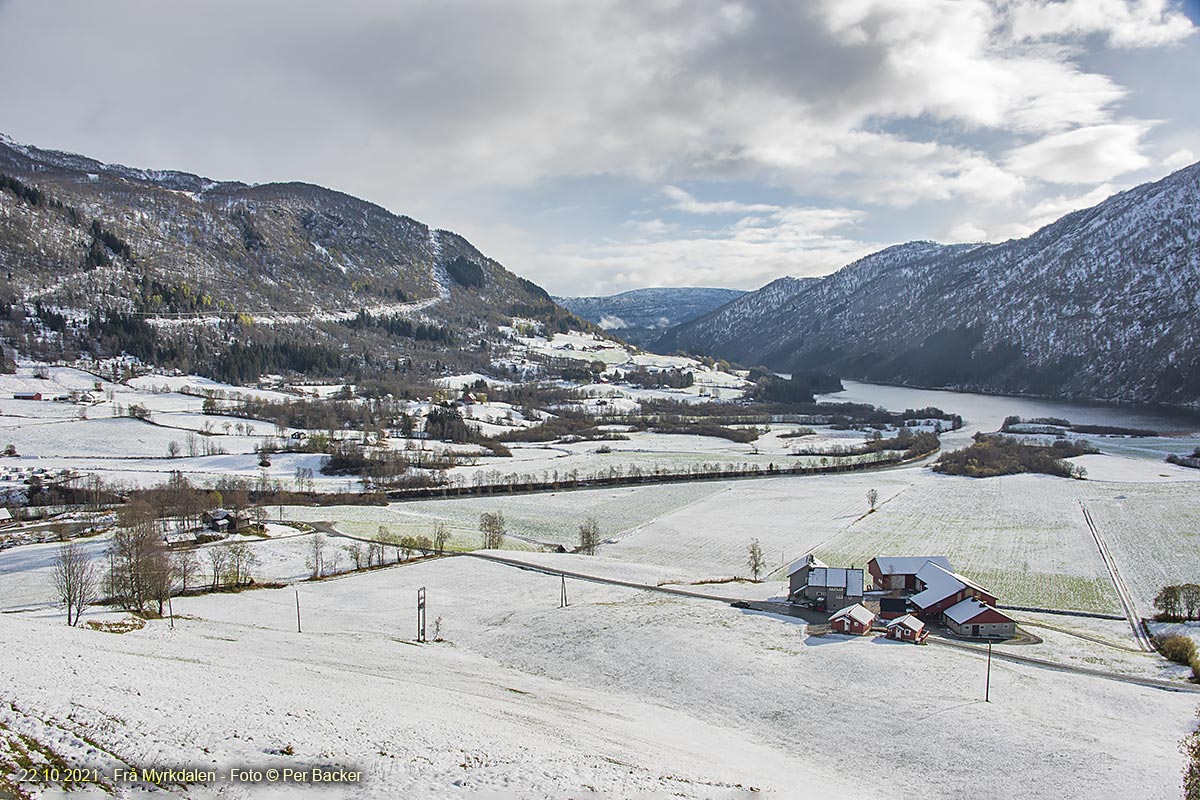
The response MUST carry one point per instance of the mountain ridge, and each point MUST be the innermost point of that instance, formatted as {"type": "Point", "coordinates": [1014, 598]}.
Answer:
{"type": "Point", "coordinates": [1100, 304]}
{"type": "Point", "coordinates": [639, 315]}
{"type": "Point", "coordinates": [104, 246]}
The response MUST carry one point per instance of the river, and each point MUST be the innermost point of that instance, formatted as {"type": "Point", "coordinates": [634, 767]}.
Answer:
{"type": "Point", "coordinates": [1179, 428]}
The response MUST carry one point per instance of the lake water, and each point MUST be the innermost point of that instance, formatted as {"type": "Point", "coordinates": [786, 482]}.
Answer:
{"type": "Point", "coordinates": [983, 412]}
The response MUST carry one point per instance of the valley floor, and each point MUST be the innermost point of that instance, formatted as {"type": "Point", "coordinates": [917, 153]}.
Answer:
{"type": "Point", "coordinates": [626, 692]}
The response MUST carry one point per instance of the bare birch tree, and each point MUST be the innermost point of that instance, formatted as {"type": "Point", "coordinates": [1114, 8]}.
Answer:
{"type": "Point", "coordinates": [755, 560]}
{"type": "Point", "coordinates": [493, 527]}
{"type": "Point", "coordinates": [315, 560]}
{"type": "Point", "coordinates": [74, 578]}
{"type": "Point", "coordinates": [589, 536]}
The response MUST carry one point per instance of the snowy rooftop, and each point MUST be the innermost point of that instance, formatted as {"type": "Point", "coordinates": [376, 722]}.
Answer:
{"type": "Point", "coordinates": [909, 622]}
{"type": "Point", "coordinates": [939, 584]}
{"type": "Point", "coordinates": [908, 565]}
{"type": "Point", "coordinates": [838, 578]}
{"type": "Point", "coordinates": [857, 612]}
{"type": "Point", "coordinates": [801, 563]}
{"type": "Point", "coordinates": [967, 610]}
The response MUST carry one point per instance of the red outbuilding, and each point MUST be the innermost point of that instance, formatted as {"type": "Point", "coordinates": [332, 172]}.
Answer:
{"type": "Point", "coordinates": [907, 629]}
{"type": "Point", "coordinates": [855, 620]}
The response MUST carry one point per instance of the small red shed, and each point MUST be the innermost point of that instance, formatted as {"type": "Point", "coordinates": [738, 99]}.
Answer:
{"type": "Point", "coordinates": [855, 620]}
{"type": "Point", "coordinates": [907, 629]}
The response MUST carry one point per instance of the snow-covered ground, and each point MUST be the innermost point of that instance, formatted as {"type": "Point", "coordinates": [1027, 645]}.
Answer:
{"type": "Point", "coordinates": [622, 694]}
{"type": "Point", "coordinates": [625, 693]}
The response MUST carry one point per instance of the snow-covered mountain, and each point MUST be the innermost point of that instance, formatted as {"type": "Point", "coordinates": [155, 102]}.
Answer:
{"type": "Point", "coordinates": [1100, 304]}
{"type": "Point", "coordinates": [185, 271]}
{"type": "Point", "coordinates": [642, 314]}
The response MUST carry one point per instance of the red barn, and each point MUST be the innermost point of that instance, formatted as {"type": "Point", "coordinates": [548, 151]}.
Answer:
{"type": "Point", "coordinates": [855, 619]}
{"type": "Point", "coordinates": [941, 589]}
{"type": "Point", "coordinates": [900, 572]}
{"type": "Point", "coordinates": [977, 620]}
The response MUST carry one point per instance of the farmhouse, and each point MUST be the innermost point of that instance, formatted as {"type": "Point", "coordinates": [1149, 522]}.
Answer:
{"type": "Point", "coordinates": [799, 571]}
{"type": "Point", "coordinates": [827, 587]}
{"type": "Point", "coordinates": [900, 572]}
{"type": "Point", "coordinates": [907, 629]}
{"type": "Point", "coordinates": [973, 618]}
{"type": "Point", "coordinates": [223, 521]}
{"type": "Point", "coordinates": [855, 619]}
{"type": "Point", "coordinates": [940, 589]}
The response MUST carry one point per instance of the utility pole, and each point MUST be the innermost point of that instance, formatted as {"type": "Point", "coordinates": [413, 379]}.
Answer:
{"type": "Point", "coordinates": [421, 614]}
{"type": "Point", "coordinates": [987, 689]}
{"type": "Point", "coordinates": [298, 611]}
{"type": "Point", "coordinates": [171, 611]}
{"type": "Point", "coordinates": [562, 600]}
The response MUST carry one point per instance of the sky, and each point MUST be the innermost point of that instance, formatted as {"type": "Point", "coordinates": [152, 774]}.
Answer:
{"type": "Point", "coordinates": [606, 145]}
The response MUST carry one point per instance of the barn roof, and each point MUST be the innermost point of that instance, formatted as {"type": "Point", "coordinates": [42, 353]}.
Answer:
{"type": "Point", "coordinates": [907, 621]}
{"type": "Point", "coordinates": [857, 612]}
{"type": "Point", "coordinates": [806, 561]}
{"type": "Point", "coordinates": [968, 610]}
{"type": "Point", "coordinates": [908, 565]}
{"type": "Point", "coordinates": [940, 583]}
{"type": "Point", "coordinates": [838, 578]}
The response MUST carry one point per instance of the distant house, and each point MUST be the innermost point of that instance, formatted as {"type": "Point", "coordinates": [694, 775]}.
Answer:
{"type": "Point", "coordinates": [799, 570]}
{"type": "Point", "coordinates": [900, 572]}
{"type": "Point", "coordinates": [979, 620]}
{"type": "Point", "coordinates": [941, 588]}
{"type": "Point", "coordinates": [27, 395]}
{"type": "Point", "coordinates": [223, 521]}
{"type": "Point", "coordinates": [856, 619]}
{"type": "Point", "coordinates": [831, 588]}
{"type": "Point", "coordinates": [907, 629]}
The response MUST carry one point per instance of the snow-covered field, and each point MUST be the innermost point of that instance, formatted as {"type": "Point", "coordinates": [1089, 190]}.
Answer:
{"type": "Point", "coordinates": [622, 694]}
{"type": "Point", "coordinates": [789, 517]}
{"type": "Point", "coordinates": [625, 693]}
{"type": "Point", "coordinates": [1022, 536]}
{"type": "Point", "coordinates": [1153, 532]}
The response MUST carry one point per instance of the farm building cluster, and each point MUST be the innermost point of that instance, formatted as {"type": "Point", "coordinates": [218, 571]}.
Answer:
{"type": "Point", "coordinates": [906, 594]}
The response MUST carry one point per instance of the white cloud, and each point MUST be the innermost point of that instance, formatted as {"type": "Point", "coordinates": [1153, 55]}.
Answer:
{"type": "Point", "coordinates": [427, 108]}
{"type": "Point", "coordinates": [1126, 23]}
{"type": "Point", "coordinates": [747, 253]}
{"type": "Point", "coordinates": [966, 232]}
{"type": "Point", "coordinates": [1085, 155]}
{"type": "Point", "coordinates": [1181, 158]}
{"type": "Point", "coordinates": [648, 228]}
{"type": "Point", "coordinates": [1053, 208]}
{"type": "Point", "coordinates": [683, 201]}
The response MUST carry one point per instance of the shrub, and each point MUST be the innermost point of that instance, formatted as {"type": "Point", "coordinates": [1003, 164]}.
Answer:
{"type": "Point", "coordinates": [997, 455]}
{"type": "Point", "coordinates": [1180, 649]}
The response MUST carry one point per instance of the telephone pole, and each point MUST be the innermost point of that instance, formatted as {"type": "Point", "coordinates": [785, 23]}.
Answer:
{"type": "Point", "coordinates": [987, 688]}
{"type": "Point", "coordinates": [421, 614]}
